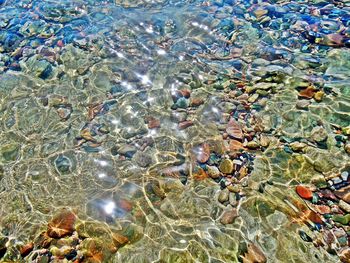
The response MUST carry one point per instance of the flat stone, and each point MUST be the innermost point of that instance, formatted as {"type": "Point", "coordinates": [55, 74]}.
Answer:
{"type": "Point", "coordinates": [226, 166]}
{"type": "Point", "coordinates": [229, 216]}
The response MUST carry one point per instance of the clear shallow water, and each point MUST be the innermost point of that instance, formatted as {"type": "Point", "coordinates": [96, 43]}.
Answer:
{"type": "Point", "coordinates": [174, 131]}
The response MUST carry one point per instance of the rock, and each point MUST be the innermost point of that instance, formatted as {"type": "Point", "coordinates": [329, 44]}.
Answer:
{"type": "Point", "coordinates": [304, 192]}
{"type": "Point", "coordinates": [182, 103]}
{"type": "Point", "coordinates": [264, 141]}
{"type": "Point", "coordinates": [347, 148]}
{"type": "Point", "coordinates": [213, 172]}
{"type": "Point", "coordinates": [26, 249]}
{"type": "Point", "coordinates": [10, 152]}
{"type": "Point", "coordinates": [344, 254]}
{"type": "Point", "coordinates": [319, 96]}
{"type": "Point", "coordinates": [226, 166]}
{"type": "Point", "coordinates": [303, 104]}
{"type": "Point", "coordinates": [297, 146]}
{"type": "Point", "coordinates": [185, 124]}
{"type": "Point", "coordinates": [63, 164]}
{"type": "Point", "coordinates": [235, 146]}
{"type": "Point", "coordinates": [319, 134]}
{"type": "Point", "coordinates": [195, 102]}
{"type": "Point", "coordinates": [346, 130]}
{"type": "Point", "coordinates": [62, 224]}
{"type": "Point", "coordinates": [142, 159]}
{"type": "Point", "coordinates": [344, 205]}
{"type": "Point", "coordinates": [153, 123]}
{"type": "Point", "coordinates": [254, 254]}
{"type": "Point", "coordinates": [186, 93]}
{"type": "Point", "coordinates": [307, 93]}
{"type": "Point", "coordinates": [234, 130]}
{"type": "Point", "coordinates": [202, 153]}
{"type": "Point", "coordinates": [223, 196]}
{"type": "Point", "coordinates": [127, 150]}
{"type": "Point", "coordinates": [253, 145]}
{"type": "Point", "coordinates": [343, 194]}
{"type": "Point", "coordinates": [234, 188]}
{"type": "Point", "coordinates": [305, 236]}
{"type": "Point", "coordinates": [228, 216]}
{"type": "Point", "coordinates": [344, 220]}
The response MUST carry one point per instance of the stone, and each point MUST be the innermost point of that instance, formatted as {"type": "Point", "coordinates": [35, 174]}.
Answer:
{"type": "Point", "coordinates": [26, 249]}
{"type": "Point", "coordinates": [319, 134]}
{"type": "Point", "coordinates": [254, 254]}
{"type": "Point", "coordinates": [297, 146]}
{"type": "Point", "coordinates": [347, 148]}
{"type": "Point", "coordinates": [213, 172]}
{"type": "Point", "coordinates": [195, 102]}
{"type": "Point", "coordinates": [228, 216]}
{"type": "Point", "coordinates": [142, 159]}
{"type": "Point", "coordinates": [153, 123]}
{"type": "Point", "coordinates": [304, 192]}
{"type": "Point", "coordinates": [62, 224]}
{"type": "Point", "coordinates": [182, 103]}
{"type": "Point", "coordinates": [234, 130]}
{"type": "Point", "coordinates": [253, 145]}
{"type": "Point", "coordinates": [343, 194]}
{"type": "Point", "coordinates": [319, 96]}
{"type": "Point", "coordinates": [127, 150]}
{"type": "Point", "coordinates": [344, 205]}
{"type": "Point", "coordinates": [226, 166]}
{"type": "Point", "coordinates": [307, 93]}
{"type": "Point", "coordinates": [202, 153]}
{"type": "Point", "coordinates": [344, 220]}
{"type": "Point", "coordinates": [185, 124]}
{"type": "Point", "coordinates": [235, 146]}
{"type": "Point", "coordinates": [223, 196]}
{"type": "Point", "coordinates": [303, 104]}
{"type": "Point", "coordinates": [10, 152]}
{"type": "Point", "coordinates": [264, 141]}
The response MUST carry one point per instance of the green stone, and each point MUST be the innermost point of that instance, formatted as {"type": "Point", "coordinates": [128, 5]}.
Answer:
{"type": "Point", "coordinates": [226, 166]}
{"type": "Point", "coordinates": [344, 220]}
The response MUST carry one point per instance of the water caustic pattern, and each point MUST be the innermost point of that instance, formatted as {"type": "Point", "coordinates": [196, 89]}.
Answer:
{"type": "Point", "coordinates": [174, 131]}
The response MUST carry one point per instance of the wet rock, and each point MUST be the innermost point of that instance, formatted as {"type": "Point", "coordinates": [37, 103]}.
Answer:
{"type": "Point", "coordinates": [303, 104]}
{"type": "Point", "coordinates": [229, 216]}
{"type": "Point", "coordinates": [10, 152]}
{"type": "Point", "coordinates": [143, 159]}
{"type": "Point", "coordinates": [344, 205]}
{"type": "Point", "coordinates": [253, 145]}
{"type": "Point", "coordinates": [62, 224]}
{"type": "Point", "coordinates": [127, 150]}
{"type": "Point", "coordinates": [344, 220]}
{"type": "Point", "coordinates": [319, 134]}
{"type": "Point", "coordinates": [153, 123]}
{"type": "Point", "coordinates": [235, 146]}
{"type": "Point", "coordinates": [26, 249]}
{"type": "Point", "coordinates": [305, 236]}
{"type": "Point", "coordinates": [195, 102]}
{"type": "Point", "coordinates": [63, 164]}
{"type": "Point", "coordinates": [344, 254]}
{"type": "Point", "coordinates": [223, 196]}
{"type": "Point", "coordinates": [182, 103]}
{"type": "Point", "coordinates": [304, 192]}
{"type": "Point", "coordinates": [347, 148]}
{"type": "Point", "coordinates": [226, 166]}
{"type": "Point", "coordinates": [343, 194]}
{"type": "Point", "coordinates": [185, 124]}
{"type": "Point", "coordinates": [319, 96]}
{"type": "Point", "coordinates": [254, 254]}
{"type": "Point", "coordinates": [202, 153]}
{"type": "Point", "coordinates": [213, 172]}
{"type": "Point", "coordinates": [234, 130]}
{"type": "Point", "coordinates": [297, 146]}
{"type": "Point", "coordinates": [307, 93]}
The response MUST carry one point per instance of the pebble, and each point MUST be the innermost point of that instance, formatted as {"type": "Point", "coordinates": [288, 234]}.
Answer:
{"type": "Point", "coordinates": [347, 148]}
{"type": "Point", "coordinates": [213, 172]}
{"type": "Point", "coordinates": [223, 196]}
{"type": "Point", "coordinates": [297, 146]}
{"type": "Point", "coordinates": [344, 205]}
{"type": "Point", "coordinates": [185, 124]}
{"type": "Point", "coordinates": [226, 166]}
{"type": "Point", "coordinates": [344, 220]}
{"type": "Point", "coordinates": [229, 216]}
{"type": "Point", "coordinates": [234, 130]}
{"type": "Point", "coordinates": [304, 192]}
{"type": "Point", "coordinates": [62, 224]}
{"type": "Point", "coordinates": [303, 104]}
{"type": "Point", "coordinates": [253, 145]}
{"type": "Point", "coordinates": [203, 153]}
{"type": "Point", "coordinates": [319, 96]}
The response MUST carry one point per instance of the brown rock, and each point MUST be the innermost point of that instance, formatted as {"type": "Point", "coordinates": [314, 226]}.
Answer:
{"type": "Point", "coordinates": [344, 194]}
{"type": "Point", "coordinates": [234, 130]}
{"type": "Point", "coordinates": [203, 153]}
{"type": "Point", "coordinates": [229, 216]}
{"type": "Point", "coordinates": [304, 192]}
{"type": "Point", "coordinates": [235, 146]}
{"type": "Point", "coordinates": [195, 102]}
{"type": "Point", "coordinates": [185, 124]}
{"type": "Point", "coordinates": [61, 224]}
{"type": "Point", "coordinates": [307, 93]}
{"type": "Point", "coordinates": [254, 255]}
{"type": "Point", "coordinates": [26, 249]}
{"type": "Point", "coordinates": [153, 123]}
{"type": "Point", "coordinates": [186, 93]}
{"type": "Point", "coordinates": [119, 240]}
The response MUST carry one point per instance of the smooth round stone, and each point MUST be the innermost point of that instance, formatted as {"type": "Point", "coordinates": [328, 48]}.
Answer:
{"type": "Point", "coordinates": [226, 166]}
{"type": "Point", "coordinates": [347, 148]}
{"type": "Point", "coordinates": [182, 103]}
{"type": "Point", "coordinates": [213, 172]}
{"type": "Point", "coordinates": [303, 104]}
{"type": "Point", "coordinates": [253, 145]}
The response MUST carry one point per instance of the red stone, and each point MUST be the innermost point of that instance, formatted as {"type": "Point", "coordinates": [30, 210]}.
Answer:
{"type": "Point", "coordinates": [307, 93]}
{"type": "Point", "coordinates": [196, 102]}
{"type": "Point", "coordinates": [304, 192]}
{"type": "Point", "coordinates": [153, 123]}
{"type": "Point", "coordinates": [234, 130]}
{"type": "Point", "coordinates": [185, 124]}
{"type": "Point", "coordinates": [186, 93]}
